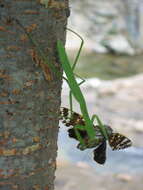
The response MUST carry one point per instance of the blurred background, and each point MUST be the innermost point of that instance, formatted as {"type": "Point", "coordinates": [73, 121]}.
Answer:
{"type": "Point", "coordinates": [112, 64]}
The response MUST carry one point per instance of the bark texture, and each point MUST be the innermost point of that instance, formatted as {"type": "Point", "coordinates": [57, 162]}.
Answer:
{"type": "Point", "coordinates": [29, 97]}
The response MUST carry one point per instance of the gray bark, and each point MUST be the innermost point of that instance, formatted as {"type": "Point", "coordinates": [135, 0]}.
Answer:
{"type": "Point", "coordinates": [29, 103]}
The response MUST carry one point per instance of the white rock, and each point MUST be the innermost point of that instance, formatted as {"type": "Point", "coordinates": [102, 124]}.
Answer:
{"type": "Point", "coordinates": [124, 177]}
{"type": "Point", "coordinates": [119, 44]}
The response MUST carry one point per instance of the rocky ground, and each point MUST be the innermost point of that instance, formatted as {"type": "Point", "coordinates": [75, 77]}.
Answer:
{"type": "Point", "coordinates": [120, 104]}
{"type": "Point", "coordinates": [76, 177]}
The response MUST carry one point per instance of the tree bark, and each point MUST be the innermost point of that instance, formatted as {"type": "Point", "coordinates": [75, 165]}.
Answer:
{"type": "Point", "coordinates": [29, 93]}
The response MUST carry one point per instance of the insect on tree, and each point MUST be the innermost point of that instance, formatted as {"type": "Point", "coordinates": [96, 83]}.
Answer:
{"type": "Point", "coordinates": [82, 126]}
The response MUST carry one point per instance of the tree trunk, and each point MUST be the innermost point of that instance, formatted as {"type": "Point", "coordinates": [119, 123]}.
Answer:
{"type": "Point", "coordinates": [29, 93]}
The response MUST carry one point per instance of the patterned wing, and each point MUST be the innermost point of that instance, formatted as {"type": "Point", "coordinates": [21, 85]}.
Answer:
{"type": "Point", "coordinates": [118, 141]}
{"type": "Point", "coordinates": [87, 143]}
{"type": "Point", "coordinates": [100, 153]}
{"type": "Point", "coordinates": [71, 118]}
